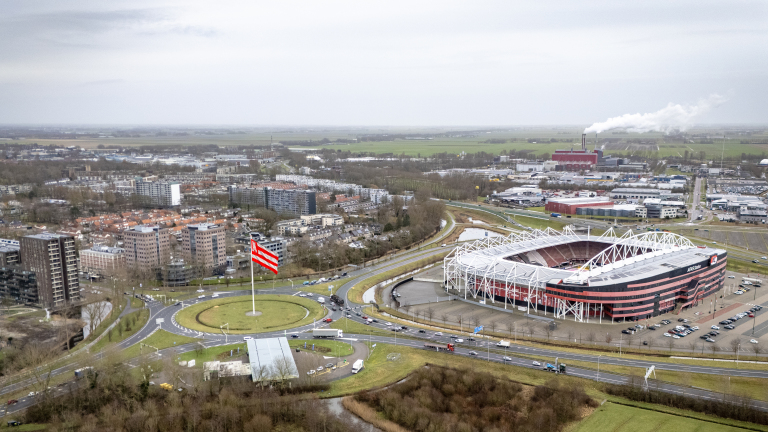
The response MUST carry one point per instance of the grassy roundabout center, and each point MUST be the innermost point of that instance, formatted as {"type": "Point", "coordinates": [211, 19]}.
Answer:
{"type": "Point", "coordinates": [278, 312]}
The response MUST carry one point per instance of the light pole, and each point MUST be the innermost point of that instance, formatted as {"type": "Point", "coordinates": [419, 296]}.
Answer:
{"type": "Point", "coordinates": [598, 368]}
{"type": "Point", "coordinates": [290, 282]}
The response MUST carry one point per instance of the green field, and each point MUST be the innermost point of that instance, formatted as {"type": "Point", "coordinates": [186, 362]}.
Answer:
{"type": "Point", "coordinates": [326, 347]}
{"type": "Point", "coordinates": [278, 312]}
{"type": "Point", "coordinates": [620, 418]}
{"type": "Point", "coordinates": [220, 353]}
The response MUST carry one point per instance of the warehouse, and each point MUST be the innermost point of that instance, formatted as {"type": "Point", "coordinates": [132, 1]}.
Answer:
{"type": "Point", "coordinates": [569, 205]}
{"type": "Point", "coordinates": [624, 210]}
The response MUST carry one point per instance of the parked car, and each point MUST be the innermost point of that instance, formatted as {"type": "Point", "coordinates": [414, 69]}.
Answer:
{"type": "Point", "coordinates": [714, 327]}
{"type": "Point", "coordinates": [754, 341]}
{"type": "Point", "coordinates": [535, 363]}
{"type": "Point", "coordinates": [472, 353]}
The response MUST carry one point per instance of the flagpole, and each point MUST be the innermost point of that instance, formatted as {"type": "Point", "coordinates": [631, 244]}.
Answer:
{"type": "Point", "coordinates": [253, 290]}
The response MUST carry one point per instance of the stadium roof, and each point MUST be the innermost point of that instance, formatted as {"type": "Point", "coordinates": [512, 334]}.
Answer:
{"type": "Point", "coordinates": [487, 258]}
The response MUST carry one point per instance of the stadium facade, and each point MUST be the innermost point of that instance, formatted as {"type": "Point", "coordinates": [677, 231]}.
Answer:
{"type": "Point", "coordinates": [628, 277]}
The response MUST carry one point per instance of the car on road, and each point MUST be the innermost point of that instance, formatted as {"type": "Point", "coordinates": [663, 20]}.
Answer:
{"type": "Point", "coordinates": [422, 331]}
{"type": "Point", "coordinates": [13, 402]}
{"type": "Point", "coordinates": [319, 368]}
{"type": "Point", "coordinates": [459, 341]}
{"type": "Point", "coordinates": [506, 359]}
{"type": "Point", "coordinates": [365, 317]}
{"type": "Point", "coordinates": [247, 338]}
{"type": "Point", "coordinates": [471, 339]}
{"type": "Point", "coordinates": [714, 327]}
{"type": "Point", "coordinates": [178, 304]}
{"type": "Point", "coordinates": [389, 324]}
{"type": "Point", "coordinates": [754, 341]}
{"type": "Point", "coordinates": [329, 365]}
{"type": "Point", "coordinates": [472, 353]}
{"type": "Point", "coordinates": [438, 334]}
{"type": "Point", "coordinates": [404, 327]}
{"type": "Point", "coordinates": [731, 277]}
{"type": "Point", "coordinates": [294, 336]}
{"type": "Point", "coordinates": [214, 296]}
{"type": "Point", "coordinates": [328, 320]}
{"type": "Point", "coordinates": [535, 363]}
{"type": "Point", "coordinates": [755, 261]}
{"type": "Point", "coordinates": [201, 296]}
{"type": "Point", "coordinates": [311, 372]}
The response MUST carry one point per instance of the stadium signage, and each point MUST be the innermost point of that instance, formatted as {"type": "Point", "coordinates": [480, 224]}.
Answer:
{"type": "Point", "coordinates": [692, 268]}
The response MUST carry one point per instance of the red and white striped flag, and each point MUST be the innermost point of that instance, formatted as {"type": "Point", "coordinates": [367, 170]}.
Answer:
{"type": "Point", "coordinates": [263, 257]}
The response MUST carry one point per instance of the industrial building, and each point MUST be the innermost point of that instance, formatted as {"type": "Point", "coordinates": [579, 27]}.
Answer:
{"type": "Point", "coordinates": [569, 205]}
{"type": "Point", "coordinates": [575, 160]}
{"type": "Point", "coordinates": [623, 210]}
{"type": "Point", "coordinates": [271, 360]}
{"type": "Point", "coordinates": [642, 193]}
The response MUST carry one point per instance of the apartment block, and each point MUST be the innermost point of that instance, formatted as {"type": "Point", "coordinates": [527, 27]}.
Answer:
{"type": "Point", "coordinates": [102, 259]}
{"type": "Point", "coordinates": [276, 245]}
{"type": "Point", "coordinates": [284, 201]}
{"type": "Point", "coordinates": [205, 244]}
{"type": "Point", "coordinates": [53, 259]}
{"type": "Point", "coordinates": [160, 193]}
{"type": "Point", "coordinates": [146, 247]}
{"type": "Point", "coordinates": [9, 255]}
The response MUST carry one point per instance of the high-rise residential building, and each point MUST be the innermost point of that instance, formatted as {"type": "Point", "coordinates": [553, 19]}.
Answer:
{"type": "Point", "coordinates": [53, 259]}
{"type": "Point", "coordinates": [146, 247]}
{"type": "Point", "coordinates": [102, 259]}
{"type": "Point", "coordinates": [9, 255]}
{"type": "Point", "coordinates": [205, 244]}
{"type": "Point", "coordinates": [160, 193]}
{"type": "Point", "coordinates": [285, 201]}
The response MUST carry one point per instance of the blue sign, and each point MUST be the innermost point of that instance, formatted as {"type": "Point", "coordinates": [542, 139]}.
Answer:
{"type": "Point", "coordinates": [478, 329]}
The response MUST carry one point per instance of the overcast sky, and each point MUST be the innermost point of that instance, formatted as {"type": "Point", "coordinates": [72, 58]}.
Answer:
{"type": "Point", "coordinates": [378, 63]}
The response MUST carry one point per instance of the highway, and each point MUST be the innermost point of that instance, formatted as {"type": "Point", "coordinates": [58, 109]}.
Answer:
{"type": "Point", "coordinates": [163, 317]}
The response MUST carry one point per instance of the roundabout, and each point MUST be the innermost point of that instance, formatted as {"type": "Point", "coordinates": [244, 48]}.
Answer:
{"type": "Point", "coordinates": [273, 312]}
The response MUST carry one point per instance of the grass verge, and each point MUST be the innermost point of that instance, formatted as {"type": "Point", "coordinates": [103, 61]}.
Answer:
{"type": "Point", "coordinates": [160, 339]}
{"type": "Point", "coordinates": [128, 325]}
{"type": "Point", "coordinates": [220, 353]}
{"type": "Point", "coordinates": [329, 348]}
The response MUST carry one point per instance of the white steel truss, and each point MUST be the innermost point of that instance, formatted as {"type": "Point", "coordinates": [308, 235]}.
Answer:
{"type": "Point", "coordinates": [479, 267]}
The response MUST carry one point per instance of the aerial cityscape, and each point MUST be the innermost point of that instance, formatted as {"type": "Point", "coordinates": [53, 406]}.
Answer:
{"type": "Point", "coordinates": [437, 217]}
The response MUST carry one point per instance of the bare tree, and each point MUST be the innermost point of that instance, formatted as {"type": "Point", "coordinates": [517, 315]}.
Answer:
{"type": "Point", "coordinates": [713, 348]}
{"type": "Point", "coordinates": [670, 343]}
{"type": "Point", "coordinates": [283, 370]}
{"type": "Point", "coordinates": [444, 317]}
{"type": "Point", "coordinates": [547, 330]}
{"type": "Point", "coordinates": [571, 335]}
{"type": "Point", "coordinates": [476, 321]}
{"type": "Point", "coordinates": [651, 342]}
{"type": "Point", "coordinates": [39, 360]}
{"type": "Point", "coordinates": [591, 337]}
{"type": "Point", "coordinates": [510, 326]}
{"type": "Point", "coordinates": [429, 313]}
{"type": "Point", "coordinates": [608, 338]}
{"type": "Point", "coordinates": [630, 338]}
{"type": "Point", "coordinates": [757, 350]}
{"type": "Point", "coordinates": [493, 326]}
{"type": "Point", "coordinates": [692, 346]}
{"type": "Point", "coordinates": [530, 326]}
{"type": "Point", "coordinates": [262, 374]}
{"type": "Point", "coordinates": [736, 345]}
{"type": "Point", "coordinates": [459, 319]}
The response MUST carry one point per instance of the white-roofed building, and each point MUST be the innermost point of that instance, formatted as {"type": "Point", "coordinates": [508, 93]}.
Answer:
{"type": "Point", "coordinates": [271, 360]}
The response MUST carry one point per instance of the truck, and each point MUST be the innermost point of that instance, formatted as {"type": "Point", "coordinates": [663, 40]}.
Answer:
{"type": "Point", "coordinates": [83, 372]}
{"type": "Point", "coordinates": [439, 347]}
{"type": "Point", "coordinates": [357, 366]}
{"type": "Point", "coordinates": [562, 368]}
{"type": "Point", "coordinates": [321, 300]}
{"type": "Point", "coordinates": [503, 344]}
{"type": "Point", "coordinates": [556, 215]}
{"type": "Point", "coordinates": [327, 333]}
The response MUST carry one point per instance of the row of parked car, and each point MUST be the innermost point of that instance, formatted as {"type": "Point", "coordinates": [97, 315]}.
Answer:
{"type": "Point", "coordinates": [728, 323]}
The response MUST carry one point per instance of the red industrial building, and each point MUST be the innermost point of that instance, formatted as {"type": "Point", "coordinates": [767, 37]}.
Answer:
{"type": "Point", "coordinates": [569, 205]}
{"type": "Point", "coordinates": [570, 160]}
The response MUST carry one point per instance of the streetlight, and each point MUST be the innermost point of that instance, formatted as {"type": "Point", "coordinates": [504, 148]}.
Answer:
{"type": "Point", "coordinates": [598, 368]}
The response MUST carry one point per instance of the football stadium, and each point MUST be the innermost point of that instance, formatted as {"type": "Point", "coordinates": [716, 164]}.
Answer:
{"type": "Point", "coordinates": [618, 278]}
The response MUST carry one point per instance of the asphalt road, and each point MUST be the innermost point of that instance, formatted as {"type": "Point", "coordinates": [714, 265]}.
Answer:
{"type": "Point", "coordinates": [162, 316]}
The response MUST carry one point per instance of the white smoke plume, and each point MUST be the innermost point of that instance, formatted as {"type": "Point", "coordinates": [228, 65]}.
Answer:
{"type": "Point", "coordinates": [670, 118]}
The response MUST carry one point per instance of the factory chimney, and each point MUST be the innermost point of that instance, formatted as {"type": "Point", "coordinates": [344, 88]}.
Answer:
{"type": "Point", "coordinates": [584, 142]}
